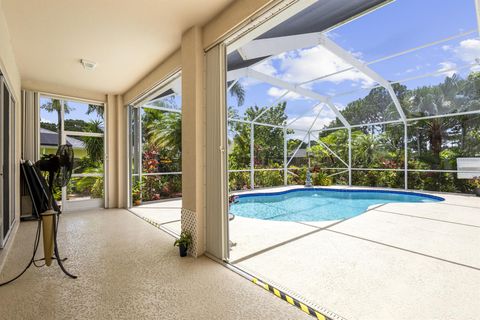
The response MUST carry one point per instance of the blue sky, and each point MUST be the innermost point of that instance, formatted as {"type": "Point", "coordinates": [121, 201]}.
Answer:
{"type": "Point", "coordinates": [78, 112]}
{"type": "Point", "coordinates": [398, 26]}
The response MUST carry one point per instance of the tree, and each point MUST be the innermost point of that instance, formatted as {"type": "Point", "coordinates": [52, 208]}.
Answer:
{"type": "Point", "coordinates": [49, 126]}
{"type": "Point", "coordinates": [165, 130]}
{"type": "Point", "coordinates": [238, 91]}
{"type": "Point", "coordinates": [376, 106]}
{"type": "Point", "coordinates": [94, 145]}
{"type": "Point", "coordinates": [93, 108]}
{"type": "Point", "coordinates": [268, 146]}
{"type": "Point", "coordinates": [55, 105]}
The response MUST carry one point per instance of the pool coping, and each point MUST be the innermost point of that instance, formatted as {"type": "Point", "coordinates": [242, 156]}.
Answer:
{"type": "Point", "coordinates": [276, 193]}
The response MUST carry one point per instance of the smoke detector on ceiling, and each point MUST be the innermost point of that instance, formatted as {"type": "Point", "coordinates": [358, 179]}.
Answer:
{"type": "Point", "coordinates": [88, 64]}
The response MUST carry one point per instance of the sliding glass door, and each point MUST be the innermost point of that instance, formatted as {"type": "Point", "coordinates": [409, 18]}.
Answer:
{"type": "Point", "coordinates": [82, 126]}
{"type": "Point", "coordinates": [7, 161]}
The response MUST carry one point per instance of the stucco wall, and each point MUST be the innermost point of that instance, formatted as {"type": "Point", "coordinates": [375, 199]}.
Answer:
{"type": "Point", "coordinates": [11, 73]}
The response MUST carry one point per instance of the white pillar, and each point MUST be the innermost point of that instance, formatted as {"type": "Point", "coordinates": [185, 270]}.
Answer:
{"type": "Point", "coordinates": [349, 156]}
{"type": "Point", "coordinates": [405, 145]}
{"type": "Point", "coordinates": [193, 138]}
{"type": "Point", "coordinates": [285, 165]}
{"type": "Point", "coordinates": [252, 156]}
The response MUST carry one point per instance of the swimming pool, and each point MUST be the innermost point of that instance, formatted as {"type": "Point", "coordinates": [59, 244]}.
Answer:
{"type": "Point", "coordinates": [318, 204]}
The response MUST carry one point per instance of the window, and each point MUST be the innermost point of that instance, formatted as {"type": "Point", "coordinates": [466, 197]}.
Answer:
{"type": "Point", "coordinates": [82, 126]}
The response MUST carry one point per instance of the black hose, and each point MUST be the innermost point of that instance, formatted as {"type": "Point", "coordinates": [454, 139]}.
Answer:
{"type": "Point", "coordinates": [32, 260]}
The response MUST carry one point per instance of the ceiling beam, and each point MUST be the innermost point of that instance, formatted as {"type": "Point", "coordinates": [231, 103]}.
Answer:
{"type": "Point", "coordinates": [363, 68]}
{"type": "Point", "coordinates": [477, 9]}
{"type": "Point", "coordinates": [269, 23]}
{"type": "Point", "coordinates": [272, 46]}
{"type": "Point", "coordinates": [296, 89]}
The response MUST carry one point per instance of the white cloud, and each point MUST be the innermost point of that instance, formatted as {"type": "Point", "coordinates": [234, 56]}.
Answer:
{"type": "Point", "coordinates": [324, 119]}
{"type": "Point", "coordinates": [277, 93]}
{"type": "Point", "coordinates": [468, 50]}
{"type": "Point", "coordinates": [321, 122]}
{"type": "Point", "coordinates": [475, 68]}
{"type": "Point", "coordinates": [265, 67]}
{"type": "Point", "coordinates": [47, 120]}
{"type": "Point", "coordinates": [306, 64]}
{"type": "Point", "coordinates": [447, 68]}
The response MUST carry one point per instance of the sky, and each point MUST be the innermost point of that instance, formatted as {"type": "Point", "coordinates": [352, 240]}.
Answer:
{"type": "Point", "coordinates": [78, 111]}
{"type": "Point", "coordinates": [395, 27]}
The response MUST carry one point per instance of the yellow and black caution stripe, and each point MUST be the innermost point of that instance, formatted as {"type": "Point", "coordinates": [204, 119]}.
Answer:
{"type": "Point", "coordinates": [153, 223]}
{"type": "Point", "coordinates": [294, 302]}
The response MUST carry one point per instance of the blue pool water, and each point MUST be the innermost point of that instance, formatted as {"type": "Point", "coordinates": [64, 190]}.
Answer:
{"type": "Point", "coordinates": [318, 204]}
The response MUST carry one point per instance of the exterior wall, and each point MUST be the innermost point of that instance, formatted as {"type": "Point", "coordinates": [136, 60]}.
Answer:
{"type": "Point", "coordinates": [8, 64]}
{"type": "Point", "coordinates": [9, 68]}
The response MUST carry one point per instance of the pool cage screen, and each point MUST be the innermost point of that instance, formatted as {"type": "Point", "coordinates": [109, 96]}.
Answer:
{"type": "Point", "coordinates": [155, 144]}
{"type": "Point", "coordinates": [334, 116]}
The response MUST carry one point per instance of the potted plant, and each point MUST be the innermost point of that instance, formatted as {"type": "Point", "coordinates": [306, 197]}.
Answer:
{"type": "Point", "coordinates": [476, 185]}
{"type": "Point", "coordinates": [183, 242]}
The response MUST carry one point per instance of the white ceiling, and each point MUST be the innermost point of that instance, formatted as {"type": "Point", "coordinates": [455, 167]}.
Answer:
{"type": "Point", "coordinates": [127, 38]}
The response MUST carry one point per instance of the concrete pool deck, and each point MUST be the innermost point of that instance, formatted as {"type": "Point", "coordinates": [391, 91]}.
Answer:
{"type": "Point", "coordinates": [395, 261]}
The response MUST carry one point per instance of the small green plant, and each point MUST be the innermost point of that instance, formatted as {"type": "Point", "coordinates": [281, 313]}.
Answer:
{"type": "Point", "coordinates": [476, 182]}
{"type": "Point", "coordinates": [136, 192]}
{"type": "Point", "coordinates": [184, 240]}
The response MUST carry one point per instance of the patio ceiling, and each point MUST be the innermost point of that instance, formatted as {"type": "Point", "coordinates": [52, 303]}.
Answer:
{"type": "Point", "coordinates": [126, 38]}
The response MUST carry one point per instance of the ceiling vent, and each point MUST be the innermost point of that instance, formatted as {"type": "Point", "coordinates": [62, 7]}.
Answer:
{"type": "Point", "coordinates": [88, 64]}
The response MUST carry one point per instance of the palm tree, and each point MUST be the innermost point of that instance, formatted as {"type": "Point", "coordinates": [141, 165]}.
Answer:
{"type": "Point", "coordinates": [238, 91]}
{"type": "Point", "coordinates": [93, 108]}
{"type": "Point", "coordinates": [165, 131]}
{"type": "Point", "coordinates": [440, 99]}
{"type": "Point", "coordinates": [55, 105]}
{"type": "Point", "coordinates": [367, 148]}
{"type": "Point", "coordinates": [94, 145]}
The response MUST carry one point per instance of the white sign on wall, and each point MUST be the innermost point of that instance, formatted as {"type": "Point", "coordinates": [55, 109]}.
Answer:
{"type": "Point", "coordinates": [468, 164]}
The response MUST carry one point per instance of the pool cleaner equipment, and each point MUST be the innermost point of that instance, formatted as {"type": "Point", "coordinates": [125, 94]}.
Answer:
{"type": "Point", "coordinates": [46, 211]}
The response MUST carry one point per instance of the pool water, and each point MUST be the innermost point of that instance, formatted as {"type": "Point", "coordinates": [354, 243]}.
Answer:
{"type": "Point", "coordinates": [319, 204]}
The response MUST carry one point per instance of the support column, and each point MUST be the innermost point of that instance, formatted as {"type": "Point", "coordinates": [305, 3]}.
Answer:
{"type": "Point", "coordinates": [123, 131]}
{"type": "Point", "coordinates": [285, 163]}
{"type": "Point", "coordinates": [350, 157]}
{"type": "Point", "coordinates": [116, 155]}
{"type": "Point", "coordinates": [252, 156]}
{"type": "Point", "coordinates": [111, 180]}
{"type": "Point", "coordinates": [405, 145]}
{"type": "Point", "coordinates": [308, 148]}
{"type": "Point", "coordinates": [193, 142]}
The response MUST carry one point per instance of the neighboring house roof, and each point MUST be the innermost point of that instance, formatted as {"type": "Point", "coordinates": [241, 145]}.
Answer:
{"type": "Point", "coordinates": [50, 138]}
{"type": "Point", "coordinates": [301, 153]}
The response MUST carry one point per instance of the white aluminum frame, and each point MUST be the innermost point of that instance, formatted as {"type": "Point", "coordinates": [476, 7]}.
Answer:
{"type": "Point", "coordinates": [7, 194]}
{"type": "Point", "coordinates": [73, 205]}
{"type": "Point", "coordinates": [135, 147]}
